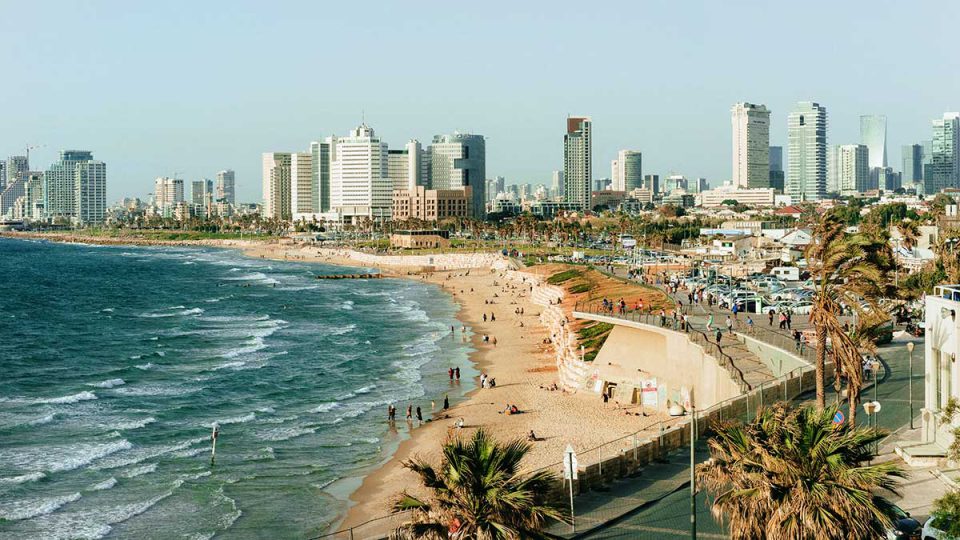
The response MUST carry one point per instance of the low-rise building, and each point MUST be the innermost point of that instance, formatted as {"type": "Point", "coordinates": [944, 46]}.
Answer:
{"type": "Point", "coordinates": [420, 239]}
{"type": "Point", "coordinates": [750, 197]}
{"type": "Point", "coordinates": [432, 204]}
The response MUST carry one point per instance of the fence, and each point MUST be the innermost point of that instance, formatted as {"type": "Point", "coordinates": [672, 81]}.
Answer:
{"type": "Point", "coordinates": [377, 528]}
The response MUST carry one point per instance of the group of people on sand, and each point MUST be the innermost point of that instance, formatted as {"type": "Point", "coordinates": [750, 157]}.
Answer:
{"type": "Point", "coordinates": [411, 412]}
{"type": "Point", "coordinates": [487, 381]}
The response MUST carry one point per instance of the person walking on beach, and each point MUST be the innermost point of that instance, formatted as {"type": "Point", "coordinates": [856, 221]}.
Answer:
{"type": "Point", "coordinates": [492, 317]}
{"type": "Point", "coordinates": [446, 402]}
{"type": "Point", "coordinates": [494, 339]}
{"type": "Point", "coordinates": [419, 416]}
{"type": "Point", "coordinates": [391, 413]}
{"type": "Point", "coordinates": [456, 372]}
{"type": "Point", "coordinates": [484, 317]}
{"type": "Point", "coordinates": [409, 412]}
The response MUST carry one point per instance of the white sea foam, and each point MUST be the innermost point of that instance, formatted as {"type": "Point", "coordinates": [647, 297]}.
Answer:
{"type": "Point", "coordinates": [106, 484]}
{"type": "Point", "coordinates": [162, 314]}
{"type": "Point", "coordinates": [132, 424]}
{"type": "Point", "coordinates": [285, 433]}
{"type": "Point", "coordinates": [325, 407]}
{"type": "Point", "coordinates": [157, 390]}
{"type": "Point", "coordinates": [144, 453]}
{"type": "Point", "coordinates": [348, 305]}
{"type": "Point", "coordinates": [42, 420]}
{"type": "Point", "coordinates": [148, 365]}
{"type": "Point", "coordinates": [108, 383]}
{"type": "Point", "coordinates": [73, 398]}
{"type": "Point", "coordinates": [29, 477]}
{"type": "Point", "coordinates": [139, 471]}
{"type": "Point", "coordinates": [235, 419]}
{"type": "Point", "coordinates": [229, 365]}
{"type": "Point", "coordinates": [107, 310]}
{"type": "Point", "coordinates": [29, 508]}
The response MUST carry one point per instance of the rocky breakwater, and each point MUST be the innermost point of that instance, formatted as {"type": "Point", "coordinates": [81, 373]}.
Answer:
{"type": "Point", "coordinates": [572, 372]}
{"type": "Point", "coordinates": [439, 261]}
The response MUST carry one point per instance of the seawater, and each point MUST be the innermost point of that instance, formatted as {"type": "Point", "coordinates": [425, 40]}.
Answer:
{"type": "Point", "coordinates": [115, 362]}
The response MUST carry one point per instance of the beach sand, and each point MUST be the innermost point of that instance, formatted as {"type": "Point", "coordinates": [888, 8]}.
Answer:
{"type": "Point", "coordinates": [523, 365]}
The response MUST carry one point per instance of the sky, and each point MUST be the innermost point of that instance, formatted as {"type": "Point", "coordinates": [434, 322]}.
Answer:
{"type": "Point", "coordinates": [194, 87]}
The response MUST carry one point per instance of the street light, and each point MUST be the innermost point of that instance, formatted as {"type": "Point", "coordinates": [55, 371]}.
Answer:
{"type": "Point", "coordinates": [910, 346]}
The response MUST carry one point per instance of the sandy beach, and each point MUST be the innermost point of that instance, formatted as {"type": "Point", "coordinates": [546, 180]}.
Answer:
{"type": "Point", "coordinates": [522, 361]}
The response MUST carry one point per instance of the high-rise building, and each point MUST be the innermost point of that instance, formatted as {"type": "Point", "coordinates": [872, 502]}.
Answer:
{"type": "Point", "coordinates": [627, 174]}
{"type": "Point", "coordinates": [59, 185]}
{"type": "Point", "coordinates": [776, 168]}
{"type": "Point", "coordinates": [90, 188]}
{"type": "Point", "coordinates": [652, 182]}
{"type": "Point", "coordinates": [320, 160]}
{"type": "Point", "coordinates": [615, 174]}
{"type": "Point", "coordinates": [459, 160]}
{"type": "Point", "coordinates": [577, 162]}
{"type": "Point", "coordinates": [276, 185]}
{"type": "Point", "coordinates": [912, 156]}
{"type": "Point", "coordinates": [167, 193]}
{"type": "Point", "coordinates": [807, 152]}
{"type": "Point", "coordinates": [304, 196]}
{"type": "Point", "coordinates": [406, 168]}
{"type": "Point", "coordinates": [17, 166]}
{"type": "Point", "coordinates": [9, 195]}
{"type": "Point", "coordinates": [557, 183]}
{"type": "Point", "coordinates": [200, 191]}
{"type": "Point", "coordinates": [33, 196]}
{"type": "Point", "coordinates": [3, 174]}
{"type": "Point", "coordinates": [873, 134]}
{"type": "Point", "coordinates": [226, 189]}
{"type": "Point", "coordinates": [751, 145]}
{"type": "Point", "coordinates": [359, 184]}
{"type": "Point", "coordinates": [853, 169]}
{"type": "Point", "coordinates": [943, 171]}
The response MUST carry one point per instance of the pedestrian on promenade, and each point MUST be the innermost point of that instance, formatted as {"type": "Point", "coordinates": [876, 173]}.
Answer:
{"type": "Point", "coordinates": [750, 323]}
{"type": "Point", "coordinates": [719, 336]}
{"type": "Point", "coordinates": [796, 340]}
{"type": "Point", "coordinates": [729, 325]}
{"type": "Point", "coordinates": [789, 319]}
{"type": "Point", "coordinates": [735, 309]}
{"type": "Point", "coordinates": [710, 323]}
{"type": "Point", "coordinates": [770, 317]}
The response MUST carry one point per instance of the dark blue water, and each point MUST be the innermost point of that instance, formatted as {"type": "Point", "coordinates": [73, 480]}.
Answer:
{"type": "Point", "coordinates": [115, 362]}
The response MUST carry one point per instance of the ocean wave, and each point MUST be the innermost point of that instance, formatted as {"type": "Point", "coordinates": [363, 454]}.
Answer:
{"type": "Point", "coordinates": [190, 452]}
{"type": "Point", "coordinates": [229, 365]}
{"type": "Point", "coordinates": [131, 424]}
{"type": "Point", "coordinates": [163, 314]}
{"type": "Point", "coordinates": [144, 453]}
{"type": "Point", "coordinates": [144, 367]}
{"type": "Point", "coordinates": [30, 508]}
{"type": "Point", "coordinates": [348, 305]}
{"type": "Point", "coordinates": [42, 420]}
{"type": "Point", "coordinates": [107, 310]}
{"type": "Point", "coordinates": [234, 420]}
{"type": "Point", "coordinates": [106, 484]}
{"type": "Point", "coordinates": [156, 390]}
{"type": "Point", "coordinates": [139, 471]}
{"type": "Point", "coordinates": [62, 400]}
{"type": "Point", "coordinates": [325, 407]}
{"type": "Point", "coordinates": [285, 433]}
{"type": "Point", "coordinates": [29, 477]}
{"type": "Point", "coordinates": [108, 383]}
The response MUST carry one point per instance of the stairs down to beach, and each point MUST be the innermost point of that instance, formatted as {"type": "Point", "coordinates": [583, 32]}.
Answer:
{"type": "Point", "coordinates": [754, 370]}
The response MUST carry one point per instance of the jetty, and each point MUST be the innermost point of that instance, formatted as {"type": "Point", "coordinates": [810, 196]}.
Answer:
{"type": "Point", "coordinates": [366, 275]}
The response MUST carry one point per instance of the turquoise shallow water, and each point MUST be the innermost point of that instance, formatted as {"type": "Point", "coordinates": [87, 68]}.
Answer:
{"type": "Point", "coordinates": [115, 361]}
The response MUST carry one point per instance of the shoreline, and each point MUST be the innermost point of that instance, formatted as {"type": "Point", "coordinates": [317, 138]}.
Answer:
{"type": "Point", "coordinates": [523, 361]}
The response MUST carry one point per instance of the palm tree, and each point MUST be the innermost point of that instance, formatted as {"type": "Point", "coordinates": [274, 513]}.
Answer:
{"type": "Point", "coordinates": [792, 474]}
{"type": "Point", "coordinates": [480, 493]}
{"type": "Point", "coordinates": [846, 269]}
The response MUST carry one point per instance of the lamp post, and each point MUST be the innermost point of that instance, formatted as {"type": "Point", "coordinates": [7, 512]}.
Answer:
{"type": "Point", "coordinates": [910, 346]}
{"type": "Point", "coordinates": [875, 366]}
{"type": "Point", "coordinates": [693, 474]}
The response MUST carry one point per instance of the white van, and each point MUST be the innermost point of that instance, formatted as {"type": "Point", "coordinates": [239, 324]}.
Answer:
{"type": "Point", "coordinates": [786, 273]}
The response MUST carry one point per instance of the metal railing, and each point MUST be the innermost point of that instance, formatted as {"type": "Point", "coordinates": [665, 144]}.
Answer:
{"type": "Point", "coordinates": [376, 528]}
{"type": "Point", "coordinates": [668, 322]}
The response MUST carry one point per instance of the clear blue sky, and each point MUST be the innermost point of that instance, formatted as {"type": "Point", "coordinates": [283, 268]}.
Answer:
{"type": "Point", "coordinates": [192, 87]}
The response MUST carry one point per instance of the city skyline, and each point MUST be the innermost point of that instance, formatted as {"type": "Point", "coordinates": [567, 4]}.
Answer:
{"type": "Point", "coordinates": [198, 104]}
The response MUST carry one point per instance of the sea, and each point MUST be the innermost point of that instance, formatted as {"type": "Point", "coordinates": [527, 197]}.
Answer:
{"type": "Point", "coordinates": [116, 361]}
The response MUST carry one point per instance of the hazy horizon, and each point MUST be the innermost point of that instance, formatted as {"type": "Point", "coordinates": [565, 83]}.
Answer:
{"type": "Point", "coordinates": [193, 88]}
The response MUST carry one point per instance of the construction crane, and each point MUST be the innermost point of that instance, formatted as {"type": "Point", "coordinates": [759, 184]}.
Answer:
{"type": "Point", "coordinates": [32, 147]}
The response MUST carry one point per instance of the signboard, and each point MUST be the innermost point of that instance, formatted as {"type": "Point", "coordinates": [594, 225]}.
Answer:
{"type": "Point", "coordinates": [569, 463]}
{"type": "Point", "coordinates": [629, 243]}
{"type": "Point", "coordinates": [649, 393]}
{"type": "Point", "coordinates": [838, 418]}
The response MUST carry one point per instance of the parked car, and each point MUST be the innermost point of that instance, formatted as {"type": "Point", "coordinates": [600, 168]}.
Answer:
{"type": "Point", "coordinates": [931, 531]}
{"type": "Point", "coordinates": [802, 308]}
{"type": "Point", "coordinates": [904, 526]}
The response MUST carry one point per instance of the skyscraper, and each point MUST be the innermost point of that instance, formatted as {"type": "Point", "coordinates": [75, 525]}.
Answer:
{"type": "Point", "coordinates": [3, 174]}
{"type": "Point", "coordinates": [873, 134]}
{"type": "Point", "coordinates": [807, 152]}
{"type": "Point", "coordinates": [577, 162]}
{"type": "Point", "coordinates": [200, 191]}
{"type": "Point", "coordinates": [304, 196]}
{"type": "Point", "coordinates": [359, 184]}
{"type": "Point", "coordinates": [167, 193]}
{"type": "Point", "coordinates": [912, 156]}
{"type": "Point", "coordinates": [459, 160]}
{"type": "Point", "coordinates": [16, 167]}
{"type": "Point", "coordinates": [853, 169]}
{"type": "Point", "coordinates": [276, 185]}
{"type": "Point", "coordinates": [652, 182]}
{"type": "Point", "coordinates": [320, 160]}
{"type": "Point", "coordinates": [226, 190]}
{"type": "Point", "coordinates": [406, 168]}
{"type": "Point", "coordinates": [751, 145]}
{"type": "Point", "coordinates": [59, 184]}
{"type": "Point", "coordinates": [557, 183]}
{"type": "Point", "coordinates": [90, 188]}
{"type": "Point", "coordinates": [776, 168]}
{"type": "Point", "coordinates": [627, 170]}
{"type": "Point", "coordinates": [943, 171]}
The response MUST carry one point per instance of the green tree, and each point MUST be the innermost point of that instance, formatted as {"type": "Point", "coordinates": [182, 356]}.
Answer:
{"type": "Point", "coordinates": [480, 492]}
{"type": "Point", "coordinates": [791, 474]}
{"type": "Point", "coordinates": [946, 514]}
{"type": "Point", "coordinates": [847, 269]}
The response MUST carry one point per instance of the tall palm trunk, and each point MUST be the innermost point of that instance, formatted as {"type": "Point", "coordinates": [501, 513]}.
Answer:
{"type": "Point", "coordinates": [820, 365]}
